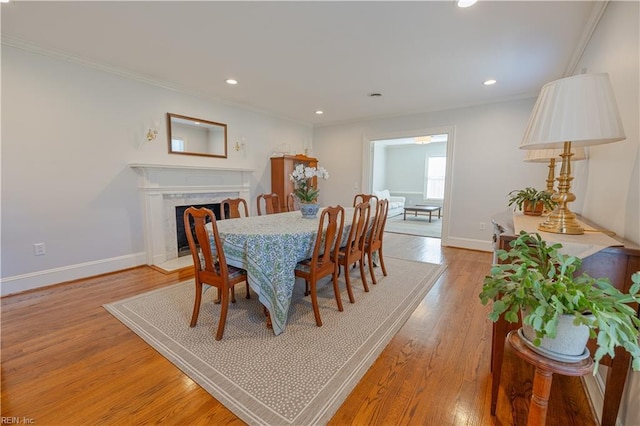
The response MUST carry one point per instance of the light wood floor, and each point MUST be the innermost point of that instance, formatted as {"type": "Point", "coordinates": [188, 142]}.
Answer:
{"type": "Point", "coordinates": [66, 361]}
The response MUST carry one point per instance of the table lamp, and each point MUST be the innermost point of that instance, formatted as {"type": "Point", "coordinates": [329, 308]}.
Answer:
{"type": "Point", "coordinates": [550, 156]}
{"type": "Point", "coordinates": [579, 111]}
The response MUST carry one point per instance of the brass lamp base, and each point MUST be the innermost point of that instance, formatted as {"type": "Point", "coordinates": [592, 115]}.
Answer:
{"type": "Point", "coordinates": [561, 221]}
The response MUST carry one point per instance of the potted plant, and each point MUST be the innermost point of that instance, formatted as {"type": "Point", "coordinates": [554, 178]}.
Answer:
{"type": "Point", "coordinates": [539, 280]}
{"type": "Point", "coordinates": [531, 201]}
{"type": "Point", "coordinates": [302, 178]}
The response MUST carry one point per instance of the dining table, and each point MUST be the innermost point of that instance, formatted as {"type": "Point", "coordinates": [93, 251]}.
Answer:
{"type": "Point", "coordinates": [268, 247]}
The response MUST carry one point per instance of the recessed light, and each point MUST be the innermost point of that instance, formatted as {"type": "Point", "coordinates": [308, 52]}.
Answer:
{"type": "Point", "coordinates": [489, 82]}
{"type": "Point", "coordinates": [465, 3]}
{"type": "Point", "coordinates": [231, 81]}
{"type": "Point", "coordinates": [319, 112]}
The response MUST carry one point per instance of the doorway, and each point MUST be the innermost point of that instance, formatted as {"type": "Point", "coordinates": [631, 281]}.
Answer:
{"type": "Point", "coordinates": [416, 166]}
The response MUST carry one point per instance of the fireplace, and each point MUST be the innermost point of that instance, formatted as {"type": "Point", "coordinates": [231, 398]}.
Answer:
{"type": "Point", "coordinates": [165, 187]}
{"type": "Point", "coordinates": [181, 234]}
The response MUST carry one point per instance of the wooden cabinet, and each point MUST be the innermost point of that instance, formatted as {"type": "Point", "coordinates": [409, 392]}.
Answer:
{"type": "Point", "coordinates": [281, 168]}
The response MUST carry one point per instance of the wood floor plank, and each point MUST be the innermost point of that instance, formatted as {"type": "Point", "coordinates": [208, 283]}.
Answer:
{"type": "Point", "coordinates": [66, 360]}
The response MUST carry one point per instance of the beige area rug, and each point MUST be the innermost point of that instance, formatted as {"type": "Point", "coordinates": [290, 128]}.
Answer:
{"type": "Point", "coordinates": [415, 225]}
{"type": "Point", "coordinates": [298, 378]}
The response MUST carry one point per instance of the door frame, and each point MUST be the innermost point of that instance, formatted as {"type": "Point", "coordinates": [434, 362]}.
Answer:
{"type": "Point", "coordinates": [368, 144]}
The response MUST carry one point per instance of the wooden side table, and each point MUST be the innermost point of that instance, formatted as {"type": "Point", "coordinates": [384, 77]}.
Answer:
{"type": "Point", "coordinates": [545, 367]}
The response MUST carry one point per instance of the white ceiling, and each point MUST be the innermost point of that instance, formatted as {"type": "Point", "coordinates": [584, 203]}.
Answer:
{"type": "Point", "coordinates": [292, 58]}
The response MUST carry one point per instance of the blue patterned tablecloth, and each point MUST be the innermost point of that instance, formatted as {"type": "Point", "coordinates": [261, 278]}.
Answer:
{"type": "Point", "coordinates": [268, 248]}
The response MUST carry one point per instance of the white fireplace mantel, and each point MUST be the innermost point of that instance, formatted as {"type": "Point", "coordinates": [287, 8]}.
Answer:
{"type": "Point", "coordinates": [163, 187]}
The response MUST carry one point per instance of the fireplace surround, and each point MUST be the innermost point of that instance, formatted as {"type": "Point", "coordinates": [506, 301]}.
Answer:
{"type": "Point", "coordinates": [165, 187]}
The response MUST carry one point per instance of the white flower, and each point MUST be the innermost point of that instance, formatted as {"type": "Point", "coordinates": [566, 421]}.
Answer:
{"type": "Point", "coordinates": [301, 176]}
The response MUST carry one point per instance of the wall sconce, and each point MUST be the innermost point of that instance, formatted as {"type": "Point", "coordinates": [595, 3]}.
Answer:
{"type": "Point", "coordinates": [152, 134]}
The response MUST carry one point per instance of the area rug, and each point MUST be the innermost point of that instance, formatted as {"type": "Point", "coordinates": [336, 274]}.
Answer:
{"type": "Point", "coordinates": [415, 225]}
{"type": "Point", "coordinates": [300, 377]}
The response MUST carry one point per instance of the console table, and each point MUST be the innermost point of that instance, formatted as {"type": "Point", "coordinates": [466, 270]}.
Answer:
{"type": "Point", "coordinates": [616, 263]}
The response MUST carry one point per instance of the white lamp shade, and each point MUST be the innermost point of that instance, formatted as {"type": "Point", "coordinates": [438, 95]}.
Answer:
{"type": "Point", "coordinates": [581, 109]}
{"type": "Point", "coordinates": [544, 155]}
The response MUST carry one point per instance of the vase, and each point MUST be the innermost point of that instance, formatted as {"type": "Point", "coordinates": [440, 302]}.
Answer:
{"type": "Point", "coordinates": [309, 211]}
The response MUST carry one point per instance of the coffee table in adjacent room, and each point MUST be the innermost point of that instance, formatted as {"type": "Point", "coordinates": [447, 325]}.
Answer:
{"type": "Point", "coordinates": [422, 209]}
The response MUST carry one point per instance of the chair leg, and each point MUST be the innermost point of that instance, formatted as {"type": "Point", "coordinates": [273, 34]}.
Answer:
{"type": "Point", "coordinates": [217, 299]}
{"type": "Point", "coordinates": [224, 307]}
{"type": "Point", "coordinates": [196, 305]}
{"type": "Point", "coordinates": [233, 294]}
{"type": "Point", "coordinates": [336, 290]}
{"type": "Point", "coordinates": [347, 281]}
{"type": "Point", "coordinates": [314, 303]}
{"type": "Point", "coordinates": [373, 276]}
{"type": "Point", "coordinates": [384, 269]}
{"type": "Point", "coordinates": [363, 276]}
{"type": "Point", "coordinates": [306, 287]}
{"type": "Point", "coordinates": [248, 296]}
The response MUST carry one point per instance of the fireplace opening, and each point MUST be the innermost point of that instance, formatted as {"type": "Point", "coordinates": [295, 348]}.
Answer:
{"type": "Point", "coordinates": [181, 234]}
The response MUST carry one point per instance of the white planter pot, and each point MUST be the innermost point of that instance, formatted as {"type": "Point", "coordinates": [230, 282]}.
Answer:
{"type": "Point", "coordinates": [569, 345]}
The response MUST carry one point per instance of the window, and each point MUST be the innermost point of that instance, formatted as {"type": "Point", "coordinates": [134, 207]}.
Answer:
{"type": "Point", "coordinates": [434, 183]}
{"type": "Point", "coordinates": [177, 145]}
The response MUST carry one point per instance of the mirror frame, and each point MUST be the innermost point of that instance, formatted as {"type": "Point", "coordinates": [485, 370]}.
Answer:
{"type": "Point", "coordinates": [197, 122]}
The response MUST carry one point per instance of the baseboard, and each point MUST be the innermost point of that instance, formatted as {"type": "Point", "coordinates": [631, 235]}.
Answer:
{"type": "Point", "coordinates": [33, 280]}
{"type": "Point", "coordinates": [594, 386]}
{"type": "Point", "coordinates": [466, 243]}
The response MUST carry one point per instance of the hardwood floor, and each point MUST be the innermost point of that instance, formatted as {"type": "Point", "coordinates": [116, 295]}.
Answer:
{"type": "Point", "coordinates": [66, 360]}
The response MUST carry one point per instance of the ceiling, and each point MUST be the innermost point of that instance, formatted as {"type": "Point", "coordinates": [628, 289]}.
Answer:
{"type": "Point", "coordinates": [293, 58]}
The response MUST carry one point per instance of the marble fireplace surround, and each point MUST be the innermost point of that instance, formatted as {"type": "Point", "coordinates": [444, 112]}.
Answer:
{"type": "Point", "coordinates": [164, 187]}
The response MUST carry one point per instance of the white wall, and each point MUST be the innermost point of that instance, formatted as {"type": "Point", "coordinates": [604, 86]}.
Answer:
{"type": "Point", "coordinates": [487, 162]}
{"type": "Point", "coordinates": [614, 169]}
{"type": "Point", "coordinates": [613, 188]}
{"type": "Point", "coordinates": [406, 170]}
{"type": "Point", "coordinates": [68, 135]}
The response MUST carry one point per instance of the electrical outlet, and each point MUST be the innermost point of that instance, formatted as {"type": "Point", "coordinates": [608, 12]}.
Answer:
{"type": "Point", "coordinates": [39, 249]}
{"type": "Point", "coordinates": [483, 226]}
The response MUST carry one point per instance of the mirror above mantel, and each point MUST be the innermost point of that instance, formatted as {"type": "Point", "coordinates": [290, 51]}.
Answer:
{"type": "Point", "coordinates": [194, 136]}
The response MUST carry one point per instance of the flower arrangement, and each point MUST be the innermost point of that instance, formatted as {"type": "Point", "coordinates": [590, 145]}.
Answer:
{"type": "Point", "coordinates": [301, 178]}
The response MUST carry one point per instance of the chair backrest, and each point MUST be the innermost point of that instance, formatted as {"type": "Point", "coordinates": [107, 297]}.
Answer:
{"type": "Point", "coordinates": [328, 240]}
{"type": "Point", "coordinates": [212, 271]}
{"type": "Point", "coordinates": [271, 203]}
{"type": "Point", "coordinates": [364, 198]}
{"type": "Point", "coordinates": [359, 225]}
{"type": "Point", "coordinates": [232, 205]}
{"type": "Point", "coordinates": [380, 220]}
{"type": "Point", "coordinates": [292, 203]}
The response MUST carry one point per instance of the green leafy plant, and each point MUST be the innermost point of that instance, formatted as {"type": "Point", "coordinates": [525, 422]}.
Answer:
{"type": "Point", "coordinates": [536, 277]}
{"type": "Point", "coordinates": [519, 197]}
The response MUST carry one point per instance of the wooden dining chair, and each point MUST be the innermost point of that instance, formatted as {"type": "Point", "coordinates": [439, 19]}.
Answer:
{"type": "Point", "coordinates": [324, 260]}
{"type": "Point", "coordinates": [271, 203]}
{"type": "Point", "coordinates": [364, 198]}
{"type": "Point", "coordinates": [232, 206]}
{"type": "Point", "coordinates": [292, 203]}
{"type": "Point", "coordinates": [209, 270]}
{"type": "Point", "coordinates": [373, 241]}
{"type": "Point", "coordinates": [353, 250]}
{"type": "Point", "coordinates": [367, 198]}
